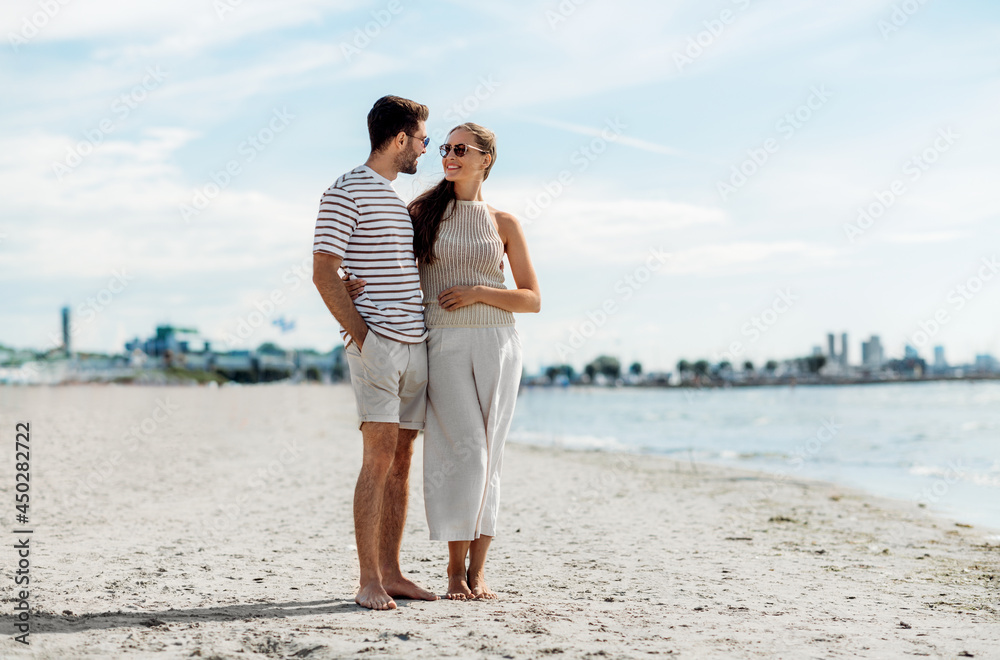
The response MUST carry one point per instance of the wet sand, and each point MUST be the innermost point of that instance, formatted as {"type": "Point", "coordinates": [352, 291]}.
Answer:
{"type": "Point", "coordinates": [216, 523]}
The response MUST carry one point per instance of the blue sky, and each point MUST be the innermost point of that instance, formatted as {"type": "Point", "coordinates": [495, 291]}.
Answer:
{"type": "Point", "coordinates": [619, 125]}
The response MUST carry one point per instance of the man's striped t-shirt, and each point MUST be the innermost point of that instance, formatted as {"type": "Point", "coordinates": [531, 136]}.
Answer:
{"type": "Point", "coordinates": [363, 221]}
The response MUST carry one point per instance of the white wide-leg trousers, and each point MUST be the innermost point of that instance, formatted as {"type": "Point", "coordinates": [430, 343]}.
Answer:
{"type": "Point", "coordinates": [472, 379]}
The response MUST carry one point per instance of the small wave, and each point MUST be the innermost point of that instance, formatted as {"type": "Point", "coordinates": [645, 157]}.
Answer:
{"type": "Point", "coordinates": [957, 473]}
{"type": "Point", "coordinates": [724, 454]}
{"type": "Point", "coordinates": [564, 441]}
{"type": "Point", "coordinates": [974, 426]}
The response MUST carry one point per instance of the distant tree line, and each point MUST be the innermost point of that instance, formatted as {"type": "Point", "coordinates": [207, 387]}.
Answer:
{"type": "Point", "coordinates": [604, 365]}
{"type": "Point", "coordinates": [811, 364]}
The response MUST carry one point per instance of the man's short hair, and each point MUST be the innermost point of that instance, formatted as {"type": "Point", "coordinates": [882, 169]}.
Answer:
{"type": "Point", "coordinates": [390, 115]}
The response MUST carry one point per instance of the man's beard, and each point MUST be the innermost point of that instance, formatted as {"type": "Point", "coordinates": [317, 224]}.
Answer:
{"type": "Point", "coordinates": [407, 163]}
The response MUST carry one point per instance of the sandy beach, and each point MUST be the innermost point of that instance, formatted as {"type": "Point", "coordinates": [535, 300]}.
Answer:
{"type": "Point", "coordinates": [184, 522]}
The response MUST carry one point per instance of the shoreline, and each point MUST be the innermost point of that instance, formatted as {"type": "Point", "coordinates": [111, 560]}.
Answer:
{"type": "Point", "coordinates": [182, 375]}
{"type": "Point", "coordinates": [227, 532]}
{"type": "Point", "coordinates": [785, 381]}
{"type": "Point", "coordinates": [942, 514]}
{"type": "Point", "coordinates": [747, 473]}
{"type": "Point", "coordinates": [934, 449]}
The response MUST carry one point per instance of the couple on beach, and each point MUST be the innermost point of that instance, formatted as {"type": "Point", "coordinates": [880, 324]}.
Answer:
{"type": "Point", "coordinates": [446, 361]}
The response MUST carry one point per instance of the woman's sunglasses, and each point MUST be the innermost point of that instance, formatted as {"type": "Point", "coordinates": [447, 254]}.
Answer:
{"type": "Point", "coordinates": [460, 149]}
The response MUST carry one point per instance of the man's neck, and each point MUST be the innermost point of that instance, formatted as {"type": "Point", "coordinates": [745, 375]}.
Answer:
{"type": "Point", "coordinates": [382, 165]}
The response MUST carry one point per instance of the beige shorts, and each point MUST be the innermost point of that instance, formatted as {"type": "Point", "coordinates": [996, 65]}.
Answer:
{"type": "Point", "coordinates": [390, 381]}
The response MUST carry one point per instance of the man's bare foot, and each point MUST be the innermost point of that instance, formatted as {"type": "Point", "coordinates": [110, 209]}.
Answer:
{"type": "Point", "coordinates": [400, 587]}
{"type": "Point", "coordinates": [458, 588]}
{"type": "Point", "coordinates": [479, 588]}
{"type": "Point", "coordinates": [374, 597]}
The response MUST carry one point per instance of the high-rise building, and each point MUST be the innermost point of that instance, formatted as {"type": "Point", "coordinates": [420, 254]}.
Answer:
{"type": "Point", "coordinates": [65, 331]}
{"type": "Point", "coordinates": [940, 364]}
{"type": "Point", "coordinates": [910, 353]}
{"type": "Point", "coordinates": [843, 349]}
{"type": "Point", "coordinates": [831, 347]}
{"type": "Point", "coordinates": [986, 363]}
{"type": "Point", "coordinates": [871, 353]}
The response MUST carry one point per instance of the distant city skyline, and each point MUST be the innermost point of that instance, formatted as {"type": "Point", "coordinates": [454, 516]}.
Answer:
{"type": "Point", "coordinates": [687, 181]}
{"type": "Point", "coordinates": [871, 355]}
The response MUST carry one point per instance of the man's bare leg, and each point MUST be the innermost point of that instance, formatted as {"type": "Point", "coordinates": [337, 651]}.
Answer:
{"type": "Point", "coordinates": [477, 568]}
{"type": "Point", "coordinates": [379, 451]}
{"type": "Point", "coordinates": [458, 585]}
{"type": "Point", "coordinates": [394, 504]}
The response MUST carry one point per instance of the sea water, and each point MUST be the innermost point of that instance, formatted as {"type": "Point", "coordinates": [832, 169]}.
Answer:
{"type": "Point", "coordinates": [935, 443]}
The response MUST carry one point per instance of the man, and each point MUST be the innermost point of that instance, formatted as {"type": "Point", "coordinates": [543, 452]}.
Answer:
{"type": "Point", "coordinates": [364, 228]}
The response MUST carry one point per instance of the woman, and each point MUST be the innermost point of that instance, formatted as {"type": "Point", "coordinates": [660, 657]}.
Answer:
{"type": "Point", "coordinates": [473, 350]}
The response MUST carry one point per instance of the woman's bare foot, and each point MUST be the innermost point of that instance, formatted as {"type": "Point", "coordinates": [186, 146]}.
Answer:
{"type": "Point", "coordinates": [374, 597]}
{"type": "Point", "coordinates": [479, 588]}
{"type": "Point", "coordinates": [458, 587]}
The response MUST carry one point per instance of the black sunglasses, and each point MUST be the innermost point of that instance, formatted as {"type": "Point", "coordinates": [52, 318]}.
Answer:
{"type": "Point", "coordinates": [426, 140]}
{"type": "Point", "coordinates": [460, 149]}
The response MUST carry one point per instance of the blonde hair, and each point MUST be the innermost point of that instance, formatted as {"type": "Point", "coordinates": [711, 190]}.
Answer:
{"type": "Point", "coordinates": [486, 140]}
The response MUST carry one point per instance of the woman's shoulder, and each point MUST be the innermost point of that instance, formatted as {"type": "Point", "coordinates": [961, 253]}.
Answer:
{"type": "Point", "coordinates": [504, 220]}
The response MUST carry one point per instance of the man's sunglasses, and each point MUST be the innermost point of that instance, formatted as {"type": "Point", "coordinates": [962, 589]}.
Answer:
{"type": "Point", "coordinates": [460, 149]}
{"type": "Point", "coordinates": [426, 140]}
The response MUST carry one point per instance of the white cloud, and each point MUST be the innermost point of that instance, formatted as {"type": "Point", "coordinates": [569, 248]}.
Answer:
{"type": "Point", "coordinates": [160, 28]}
{"type": "Point", "coordinates": [774, 27]}
{"type": "Point", "coordinates": [122, 205]}
{"type": "Point", "coordinates": [605, 229]}
{"type": "Point", "coordinates": [923, 237]}
{"type": "Point", "coordinates": [744, 257]}
{"type": "Point", "coordinates": [606, 133]}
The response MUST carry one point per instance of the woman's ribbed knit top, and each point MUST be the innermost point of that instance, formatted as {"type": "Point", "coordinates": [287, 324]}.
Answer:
{"type": "Point", "coordinates": [468, 252]}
